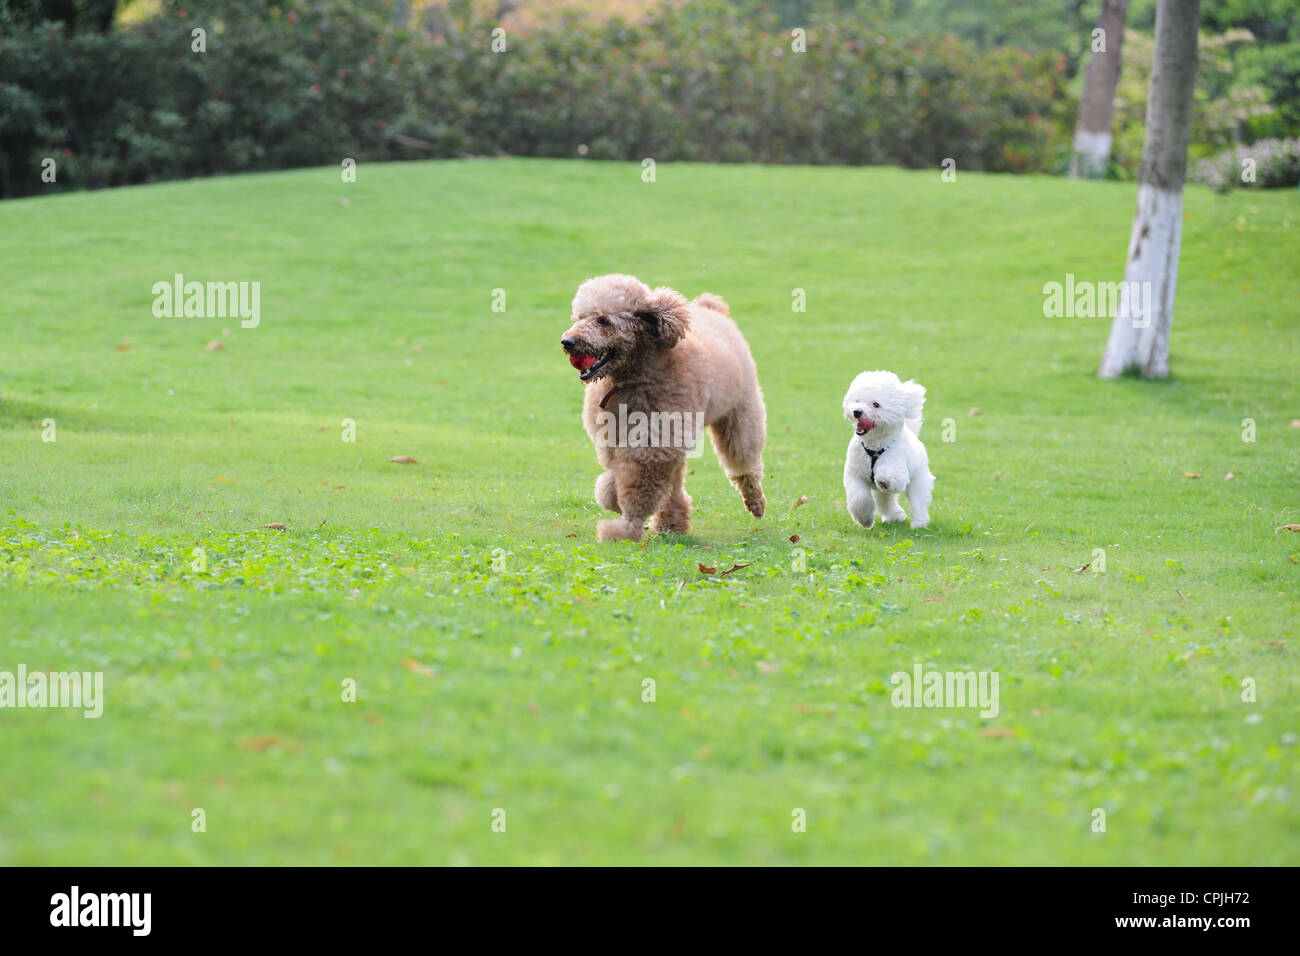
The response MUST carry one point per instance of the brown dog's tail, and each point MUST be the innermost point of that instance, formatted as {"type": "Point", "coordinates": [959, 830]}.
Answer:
{"type": "Point", "coordinates": [715, 302]}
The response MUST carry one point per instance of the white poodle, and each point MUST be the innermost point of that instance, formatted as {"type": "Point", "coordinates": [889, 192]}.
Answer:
{"type": "Point", "coordinates": [886, 458]}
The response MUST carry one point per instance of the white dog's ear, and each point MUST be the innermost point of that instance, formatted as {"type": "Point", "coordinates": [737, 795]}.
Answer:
{"type": "Point", "coordinates": [914, 395]}
{"type": "Point", "coordinates": [668, 315]}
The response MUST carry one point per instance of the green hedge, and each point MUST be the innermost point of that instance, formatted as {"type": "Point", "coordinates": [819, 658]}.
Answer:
{"type": "Point", "coordinates": [295, 83]}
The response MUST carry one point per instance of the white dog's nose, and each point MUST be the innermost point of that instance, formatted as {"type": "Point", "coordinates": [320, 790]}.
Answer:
{"type": "Point", "coordinates": [857, 413]}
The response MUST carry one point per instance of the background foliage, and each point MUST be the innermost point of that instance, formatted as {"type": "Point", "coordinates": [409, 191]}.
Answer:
{"type": "Point", "coordinates": [292, 84]}
{"type": "Point", "coordinates": [994, 85]}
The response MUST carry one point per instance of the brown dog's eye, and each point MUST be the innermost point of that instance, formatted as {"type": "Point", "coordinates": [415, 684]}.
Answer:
{"type": "Point", "coordinates": [604, 320]}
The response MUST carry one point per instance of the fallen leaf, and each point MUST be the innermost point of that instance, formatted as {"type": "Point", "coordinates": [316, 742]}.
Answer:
{"type": "Point", "coordinates": [706, 570]}
{"type": "Point", "coordinates": [974, 411]}
{"type": "Point", "coordinates": [1191, 474]}
{"type": "Point", "coordinates": [214, 345]}
{"type": "Point", "coordinates": [1084, 568]}
{"type": "Point", "coordinates": [794, 539]}
{"type": "Point", "coordinates": [122, 347]}
{"type": "Point", "coordinates": [1229, 476]}
{"type": "Point", "coordinates": [801, 500]}
{"type": "Point", "coordinates": [1272, 643]}
{"type": "Point", "coordinates": [1287, 527]}
{"type": "Point", "coordinates": [736, 567]}
{"type": "Point", "coordinates": [1295, 423]}
{"type": "Point", "coordinates": [415, 667]}
{"type": "Point", "coordinates": [258, 744]}
{"type": "Point", "coordinates": [769, 667]}
{"type": "Point", "coordinates": [404, 460]}
{"type": "Point", "coordinates": [997, 732]}
{"type": "Point", "coordinates": [225, 481]}
{"type": "Point", "coordinates": [276, 526]}
{"type": "Point", "coordinates": [571, 535]}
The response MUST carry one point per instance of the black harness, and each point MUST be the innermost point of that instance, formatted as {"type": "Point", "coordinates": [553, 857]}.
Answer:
{"type": "Point", "coordinates": [873, 455]}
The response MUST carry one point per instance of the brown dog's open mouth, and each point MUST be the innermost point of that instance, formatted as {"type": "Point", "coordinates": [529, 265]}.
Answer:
{"type": "Point", "coordinates": [864, 426]}
{"type": "Point", "coordinates": [589, 366]}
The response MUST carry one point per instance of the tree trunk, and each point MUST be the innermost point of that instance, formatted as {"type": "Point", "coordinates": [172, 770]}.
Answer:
{"type": "Point", "coordinates": [1139, 335]}
{"type": "Point", "coordinates": [1097, 105]}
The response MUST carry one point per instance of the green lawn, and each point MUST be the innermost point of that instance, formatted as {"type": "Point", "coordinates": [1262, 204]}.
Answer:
{"type": "Point", "coordinates": [512, 678]}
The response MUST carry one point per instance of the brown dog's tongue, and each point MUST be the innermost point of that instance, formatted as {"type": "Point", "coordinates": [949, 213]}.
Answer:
{"type": "Point", "coordinates": [582, 362]}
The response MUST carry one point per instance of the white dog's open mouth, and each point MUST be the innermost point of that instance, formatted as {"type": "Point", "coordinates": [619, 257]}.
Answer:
{"type": "Point", "coordinates": [589, 366]}
{"type": "Point", "coordinates": [864, 426]}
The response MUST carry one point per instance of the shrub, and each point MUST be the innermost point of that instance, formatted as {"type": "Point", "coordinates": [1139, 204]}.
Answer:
{"type": "Point", "coordinates": [293, 83]}
{"type": "Point", "coordinates": [1274, 163]}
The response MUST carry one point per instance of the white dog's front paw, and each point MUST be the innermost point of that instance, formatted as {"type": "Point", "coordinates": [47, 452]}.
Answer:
{"type": "Point", "coordinates": [862, 508]}
{"type": "Point", "coordinates": [921, 521]}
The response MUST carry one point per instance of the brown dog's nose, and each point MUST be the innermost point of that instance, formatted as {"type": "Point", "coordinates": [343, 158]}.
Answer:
{"type": "Point", "coordinates": [568, 344]}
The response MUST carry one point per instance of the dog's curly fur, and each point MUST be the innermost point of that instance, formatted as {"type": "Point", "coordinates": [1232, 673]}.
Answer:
{"type": "Point", "coordinates": [886, 456]}
{"type": "Point", "coordinates": [654, 352]}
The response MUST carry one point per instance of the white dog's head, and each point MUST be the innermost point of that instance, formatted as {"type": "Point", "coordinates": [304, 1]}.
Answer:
{"type": "Point", "coordinates": [879, 403]}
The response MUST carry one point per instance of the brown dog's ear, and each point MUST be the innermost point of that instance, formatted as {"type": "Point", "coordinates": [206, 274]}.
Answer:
{"type": "Point", "coordinates": [668, 315]}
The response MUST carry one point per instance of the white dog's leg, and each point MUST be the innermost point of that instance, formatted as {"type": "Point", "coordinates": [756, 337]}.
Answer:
{"type": "Point", "coordinates": [887, 505]}
{"type": "Point", "coordinates": [861, 506]}
{"type": "Point", "coordinates": [919, 493]}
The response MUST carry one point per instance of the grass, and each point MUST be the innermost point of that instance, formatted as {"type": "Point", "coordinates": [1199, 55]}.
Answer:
{"type": "Point", "coordinates": [499, 652]}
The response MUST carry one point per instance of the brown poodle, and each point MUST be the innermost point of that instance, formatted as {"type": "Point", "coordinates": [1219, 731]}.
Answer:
{"type": "Point", "coordinates": [658, 370]}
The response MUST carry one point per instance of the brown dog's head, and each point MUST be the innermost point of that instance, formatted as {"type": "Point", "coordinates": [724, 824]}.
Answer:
{"type": "Point", "coordinates": [617, 321]}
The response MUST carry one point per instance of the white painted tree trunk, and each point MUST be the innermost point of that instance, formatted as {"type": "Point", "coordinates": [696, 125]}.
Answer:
{"type": "Point", "coordinates": [1091, 153]}
{"type": "Point", "coordinates": [1139, 334]}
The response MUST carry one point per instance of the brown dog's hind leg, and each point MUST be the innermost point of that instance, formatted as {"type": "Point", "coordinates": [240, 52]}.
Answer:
{"type": "Point", "coordinates": [642, 488]}
{"type": "Point", "coordinates": [675, 516]}
{"type": "Point", "coordinates": [738, 439]}
{"type": "Point", "coordinates": [751, 492]}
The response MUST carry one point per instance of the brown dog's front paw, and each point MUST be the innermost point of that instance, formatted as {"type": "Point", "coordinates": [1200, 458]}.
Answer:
{"type": "Point", "coordinates": [616, 529]}
{"type": "Point", "coordinates": [607, 492]}
{"type": "Point", "coordinates": [675, 524]}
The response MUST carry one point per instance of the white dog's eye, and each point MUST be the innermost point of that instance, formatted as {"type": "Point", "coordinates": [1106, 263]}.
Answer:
{"type": "Point", "coordinates": [875, 404]}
